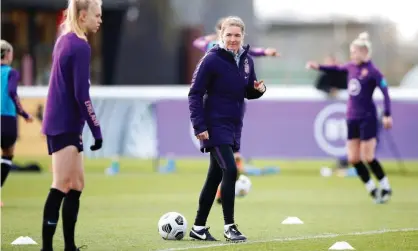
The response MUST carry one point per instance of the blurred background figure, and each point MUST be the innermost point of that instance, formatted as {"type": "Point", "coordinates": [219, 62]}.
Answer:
{"type": "Point", "coordinates": [333, 81]}
{"type": "Point", "coordinates": [10, 108]}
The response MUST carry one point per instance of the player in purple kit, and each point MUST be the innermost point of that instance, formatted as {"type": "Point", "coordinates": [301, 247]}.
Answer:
{"type": "Point", "coordinates": [68, 107]}
{"type": "Point", "coordinates": [10, 107]}
{"type": "Point", "coordinates": [362, 124]}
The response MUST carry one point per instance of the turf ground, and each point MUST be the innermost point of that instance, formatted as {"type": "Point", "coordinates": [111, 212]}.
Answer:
{"type": "Point", "coordinates": [121, 212]}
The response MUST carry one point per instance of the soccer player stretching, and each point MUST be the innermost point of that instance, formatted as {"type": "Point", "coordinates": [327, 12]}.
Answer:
{"type": "Point", "coordinates": [221, 81]}
{"type": "Point", "coordinates": [362, 124]}
{"type": "Point", "coordinates": [10, 107]}
{"type": "Point", "coordinates": [68, 106]}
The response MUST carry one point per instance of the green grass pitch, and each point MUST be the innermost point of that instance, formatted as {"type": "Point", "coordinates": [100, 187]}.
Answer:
{"type": "Point", "coordinates": [121, 212]}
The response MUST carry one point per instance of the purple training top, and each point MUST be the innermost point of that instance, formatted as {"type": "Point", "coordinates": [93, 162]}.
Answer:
{"type": "Point", "coordinates": [14, 78]}
{"type": "Point", "coordinates": [68, 103]}
{"type": "Point", "coordinates": [362, 81]}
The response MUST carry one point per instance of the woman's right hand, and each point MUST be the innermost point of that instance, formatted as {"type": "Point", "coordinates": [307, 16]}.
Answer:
{"type": "Point", "coordinates": [312, 65]}
{"type": "Point", "coordinates": [203, 135]}
{"type": "Point", "coordinates": [271, 52]}
{"type": "Point", "coordinates": [29, 119]}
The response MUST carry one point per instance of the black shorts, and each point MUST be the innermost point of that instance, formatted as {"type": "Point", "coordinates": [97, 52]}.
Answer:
{"type": "Point", "coordinates": [8, 131]}
{"type": "Point", "coordinates": [60, 141]}
{"type": "Point", "coordinates": [363, 129]}
{"type": "Point", "coordinates": [8, 141]}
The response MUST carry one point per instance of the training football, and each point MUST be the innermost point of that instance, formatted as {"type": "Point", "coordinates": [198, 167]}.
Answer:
{"type": "Point", "coordinates": [172, 226]}
{"type": "Point", "coordinates": [242, 186]}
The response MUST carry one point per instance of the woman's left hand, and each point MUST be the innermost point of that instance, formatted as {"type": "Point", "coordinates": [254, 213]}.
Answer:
{"type": "Point", "coordinates": [387, 122]}
{"type": "Point", "coordinates": [259, 86]}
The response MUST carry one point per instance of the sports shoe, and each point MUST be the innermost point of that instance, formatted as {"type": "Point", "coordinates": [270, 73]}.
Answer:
{"type": "Point", "coordinates": [375, 194]}
{"type": "Point", "coordinates": [384, 196]}
{"type": "Point", "coordinates": [79, 248]}
{"type": "Point", "coordinates": [233, 234]}
{"type": "Point", "coordinates": [202, 235]}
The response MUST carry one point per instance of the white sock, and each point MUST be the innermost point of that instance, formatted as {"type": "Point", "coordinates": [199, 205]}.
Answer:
{"type": "Point", "coordinates": [370, 185]}
{"type": "Point", "coordinates": [6, 161]}
{"type": "Point", "coordinates": [198, 228]}
{"type": "Point", "coordinates": [384, 183]}
{"type": "Point", "coordinates": [227, 226]}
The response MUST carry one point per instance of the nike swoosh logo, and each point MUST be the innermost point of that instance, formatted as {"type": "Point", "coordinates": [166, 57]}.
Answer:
{"type": "Point", "coordinates": [51, 223]}
{"type": "Point", "coordinates": [228, 235]}
{"type": "Point", "coordinates": [201, 236]}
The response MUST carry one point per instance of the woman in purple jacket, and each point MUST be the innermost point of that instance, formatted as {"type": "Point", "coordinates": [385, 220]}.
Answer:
{"type": "Point", "coordinates": [204, 44]}
{"type": "Point", "coordinates": [223, 78]}
{"type": "Point", "coordinates": [68, 107]}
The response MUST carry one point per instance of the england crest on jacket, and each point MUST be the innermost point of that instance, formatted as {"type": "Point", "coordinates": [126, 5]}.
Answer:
{"type": "Point", "coordinates": [246, 67]}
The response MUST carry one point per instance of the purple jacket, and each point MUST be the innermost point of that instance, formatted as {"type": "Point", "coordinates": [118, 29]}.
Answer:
{"type": "Point", "coordinates": [220, 84]}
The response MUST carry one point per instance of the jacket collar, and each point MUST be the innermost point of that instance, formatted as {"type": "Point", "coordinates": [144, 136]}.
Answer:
{"type": "Point", "coordinates": [221, 46]}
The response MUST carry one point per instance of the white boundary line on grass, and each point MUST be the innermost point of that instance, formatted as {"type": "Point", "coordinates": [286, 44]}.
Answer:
{"type": "Point", "coordinates": [308, 237]}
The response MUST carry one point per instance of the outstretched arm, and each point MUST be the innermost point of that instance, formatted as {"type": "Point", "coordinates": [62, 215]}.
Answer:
{"type": "Point", "coordinates": [257, 52]}
{"type": "Point", "coordinates": [263, 52]}
{"type": "Point", "coordinates": [338, 68]}
{"type": "Point", "coordinates": [202, 43]}
{"type": "Point", "coordinates": [326, 68]}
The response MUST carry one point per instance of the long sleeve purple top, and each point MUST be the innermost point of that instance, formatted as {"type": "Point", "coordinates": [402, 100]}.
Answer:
{"type": "Point", "coordinates": [205, 45]}
{"type": "Point", "coordinates": [14, 78]}
{"type": "Point", "coordinates": [68, 105]}
{"type": "Point", "coordinates": [362, 81]}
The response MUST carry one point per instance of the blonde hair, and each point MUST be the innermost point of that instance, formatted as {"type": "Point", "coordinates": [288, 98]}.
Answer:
{"type": "Point", "coordinates": [5, 47]}
{"type": "Point", "coordinates": [72, 13]}
{"type": "Point", "coordinates": [363, 41]}
{"type": "Point", "coordinates": [232, 21]}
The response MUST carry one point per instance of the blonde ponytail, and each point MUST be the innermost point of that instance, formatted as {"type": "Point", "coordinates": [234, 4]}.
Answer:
{"type": "Point", "coordinates": [5, 48]}
{"type": "Point", "coordinates": [72, 13]}
{"type": "Point", "coordinates": [363, 40]}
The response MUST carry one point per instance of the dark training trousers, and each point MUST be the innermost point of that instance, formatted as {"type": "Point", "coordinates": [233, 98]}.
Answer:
{"type": "Point", "coordinates": [223, 168]}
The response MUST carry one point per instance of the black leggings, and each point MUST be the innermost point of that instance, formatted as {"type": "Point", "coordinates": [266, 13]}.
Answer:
{"type": "Point", "coordinates": [222, 168]}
